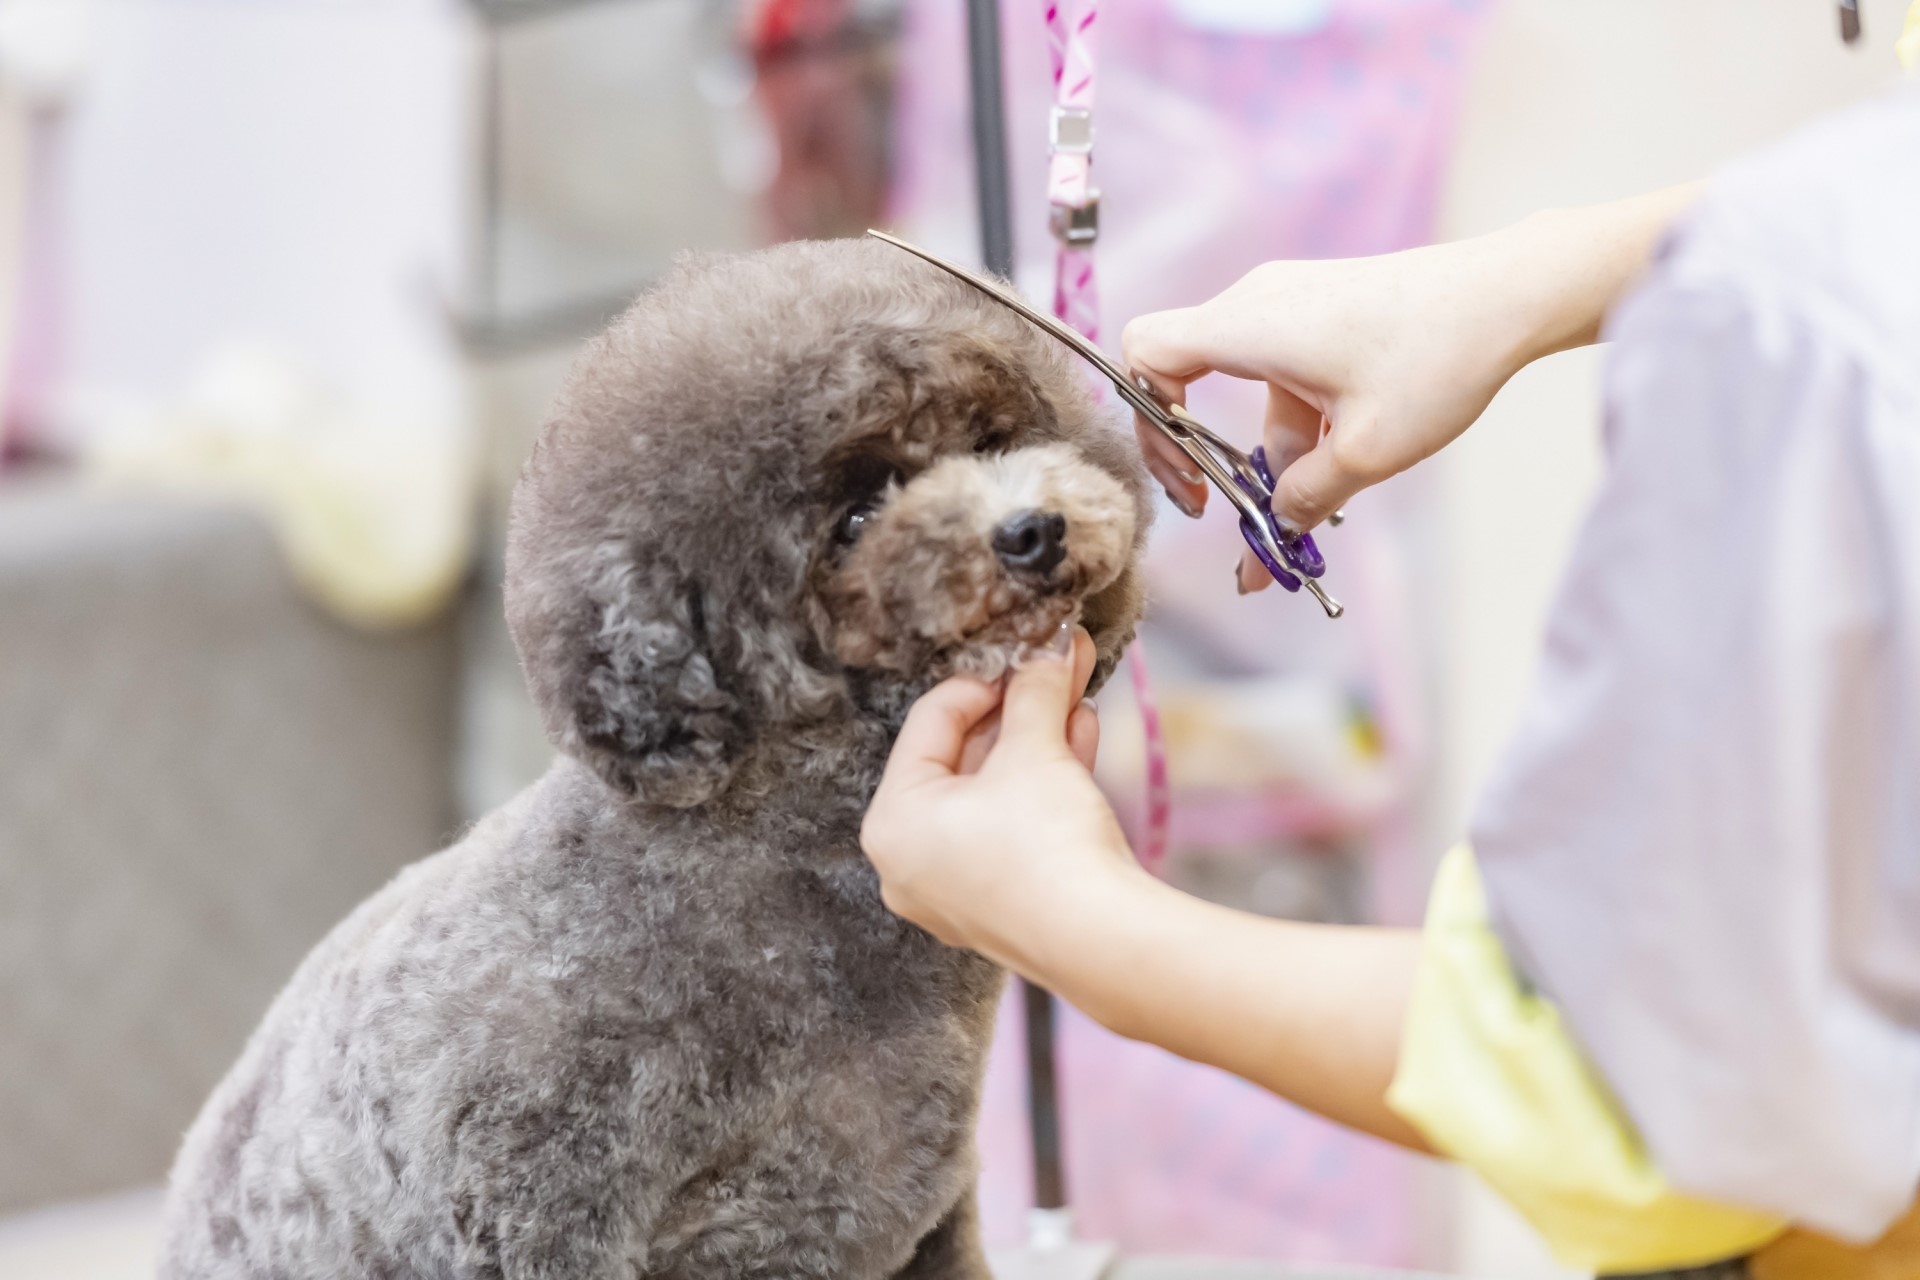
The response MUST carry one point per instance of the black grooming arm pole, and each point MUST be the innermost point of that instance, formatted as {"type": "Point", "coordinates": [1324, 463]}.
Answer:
{"type": "Point", "coordinates": [996, 251]}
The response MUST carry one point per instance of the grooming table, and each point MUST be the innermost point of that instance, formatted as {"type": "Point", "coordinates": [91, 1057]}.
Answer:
{"type": "Point", "coordinates": [1217, 1269]}
{"type": "Point", "coordinates": [199, 774]}
{"type": "Point", "coordinates": [1198, 1269]}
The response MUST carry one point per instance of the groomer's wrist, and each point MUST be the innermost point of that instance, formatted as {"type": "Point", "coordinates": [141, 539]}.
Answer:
{"type": "Point", "coordinates": [1090, 951]}
{"type": "Point", "coordinates": [1057, 911]}
{"type": "Point", "coordinates": [1546, 299]}
{"type": "Point", "coordinates": [1573, 265]}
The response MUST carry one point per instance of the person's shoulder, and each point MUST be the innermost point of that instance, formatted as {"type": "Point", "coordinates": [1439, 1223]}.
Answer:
{"type": "Point", "coordinates": [1829, 216]}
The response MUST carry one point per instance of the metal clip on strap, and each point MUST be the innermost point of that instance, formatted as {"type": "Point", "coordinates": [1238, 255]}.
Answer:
{"type": "Point", "coordinates": [1079, 226]}
{"type": "Point", "coordinates": [1070, 131]}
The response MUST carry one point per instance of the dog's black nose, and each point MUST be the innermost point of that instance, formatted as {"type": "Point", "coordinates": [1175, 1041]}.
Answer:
{"type": "Point", "coordinates": [1032, 541]}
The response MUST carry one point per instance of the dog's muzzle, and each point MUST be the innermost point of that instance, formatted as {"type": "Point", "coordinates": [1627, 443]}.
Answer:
{"type": "Point", "coordinates": [978, 557]}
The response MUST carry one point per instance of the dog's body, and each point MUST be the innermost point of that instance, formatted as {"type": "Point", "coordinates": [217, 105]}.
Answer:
{"type": "Point", "coordinates": [590, 1042]}
{"type": "Point", "coordinates": [651, 1019]}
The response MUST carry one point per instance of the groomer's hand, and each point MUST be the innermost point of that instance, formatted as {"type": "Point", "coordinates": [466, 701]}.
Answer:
{"type": "Point", "coordinates": [987, 822]}
{"type": "Point", "coordinates": [1373, 364]}
{"type": "Point", "coordinates": [988, 831]}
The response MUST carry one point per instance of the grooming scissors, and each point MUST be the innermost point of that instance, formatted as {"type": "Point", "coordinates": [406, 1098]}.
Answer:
{"type": "Point", "coordinates": [1245, 480]}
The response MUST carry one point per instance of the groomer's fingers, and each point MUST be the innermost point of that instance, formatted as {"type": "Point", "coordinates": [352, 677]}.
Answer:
{"type": "Point", "coordinates": [1320, 481]}
{"type": "Point", "coordinates": [979, 743]}
{"type": "Point", "coordinates": [934, 737]}
{"type": "Point", "coordinates": [1167, 347]}
{"type": "Point", "coordinates": [1157, 347]}
{"type": "Point", "coordinates": [1185, 484]}
{"type": "Point", "coordinates": [1084, 658]}
{"type": "Point", "coordinates": [1040, 694]}
{"type": "Point", "coordinates": [1293, 427]}
{"type": "Point", "coordinates": [1083, 733]}
{"type": "Point", "coordinates": [1249, 575]}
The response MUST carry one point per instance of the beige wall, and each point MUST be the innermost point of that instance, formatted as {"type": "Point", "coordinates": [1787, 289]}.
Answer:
{"type": "Point", "coordinates": [1578, 101]}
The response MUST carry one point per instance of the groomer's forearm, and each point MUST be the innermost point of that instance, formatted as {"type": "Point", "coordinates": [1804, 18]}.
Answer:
{"type": "Point", "coordinates": [1311, 1012]}
{"type": "Point", "coordinates": [1568, 267]}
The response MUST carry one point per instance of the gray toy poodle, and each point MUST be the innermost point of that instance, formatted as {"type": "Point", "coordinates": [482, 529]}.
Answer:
{"type": "Point", "coordinates": [650, 1019]}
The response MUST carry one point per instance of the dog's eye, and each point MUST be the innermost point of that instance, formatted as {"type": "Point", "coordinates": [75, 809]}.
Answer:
{"type": "Point", "coordinates": [986, 444]}
{"type": "Point", "coordinates": [853, 523]}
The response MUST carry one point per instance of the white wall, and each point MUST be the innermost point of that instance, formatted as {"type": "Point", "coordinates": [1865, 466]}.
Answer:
{"type": "Point", "coordinates": [285, 173]}
{"type": "Point", "coordinates": [1578, 101]}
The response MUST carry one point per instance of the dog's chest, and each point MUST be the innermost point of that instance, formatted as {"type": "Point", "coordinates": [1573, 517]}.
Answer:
{"type": "Point", "coordinates": [844, 1051]}
{"type": "Point", "coordinates": [834, 1170]}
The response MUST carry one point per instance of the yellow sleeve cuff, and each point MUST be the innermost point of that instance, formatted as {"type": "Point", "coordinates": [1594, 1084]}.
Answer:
{"type": "Point", "coordinates": [1491, 1077]}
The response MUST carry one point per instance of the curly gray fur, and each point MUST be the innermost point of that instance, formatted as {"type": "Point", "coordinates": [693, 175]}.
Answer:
{"type": "Point", "coordinates": [651, 1019]}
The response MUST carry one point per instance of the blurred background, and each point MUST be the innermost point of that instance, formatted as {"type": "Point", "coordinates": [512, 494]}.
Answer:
{"type": "Point", "coordinates": [285, 289]}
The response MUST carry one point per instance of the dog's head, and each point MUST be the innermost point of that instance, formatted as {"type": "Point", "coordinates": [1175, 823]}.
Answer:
{"type": "Point", "coordinates": [798, 486]}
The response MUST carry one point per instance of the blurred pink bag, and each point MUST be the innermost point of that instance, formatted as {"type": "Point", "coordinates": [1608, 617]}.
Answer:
{"type": "Point", "coordinates": [1321, 133]}
{"type": "Point", "coordinates": [1167, 1157]}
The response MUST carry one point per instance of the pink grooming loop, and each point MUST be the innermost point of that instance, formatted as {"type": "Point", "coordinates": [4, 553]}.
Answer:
{"type": "Point", "coordinates": [1076, 300]}
{"type": "Point", "coordinates": [1159, 815]}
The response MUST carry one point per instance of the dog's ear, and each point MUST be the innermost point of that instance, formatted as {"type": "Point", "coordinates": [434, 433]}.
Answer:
{"type": "Point", "coordinates": [630, 684]}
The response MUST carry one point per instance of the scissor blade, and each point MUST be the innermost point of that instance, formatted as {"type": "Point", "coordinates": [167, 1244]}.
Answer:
{"type": "Point", "coordinates": [1059, 329]}
{"type": "Point", "coordinates": [1186, 432]}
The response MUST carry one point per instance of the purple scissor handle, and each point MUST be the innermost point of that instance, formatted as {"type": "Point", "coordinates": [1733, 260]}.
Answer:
{"type": "Point", "coordinates": [1301, 554]}
{"type": "Point", "coordinates": [1292, 559]}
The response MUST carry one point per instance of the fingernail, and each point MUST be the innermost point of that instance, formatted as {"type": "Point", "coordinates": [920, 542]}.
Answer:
{"type": "Point", "coordinates": [1184, 507]}
{"type": "Point", "coordinates": [1239, 584]}
{"type": "Point", "coordinates": [1086, 704]}
{"type": "Point", "coordinates": [1061, 646]}
{"type": "Point", "coordinates": [1192, 475]}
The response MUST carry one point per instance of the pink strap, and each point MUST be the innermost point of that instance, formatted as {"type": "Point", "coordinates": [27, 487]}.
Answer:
{"type": "Point", "coordinates": [1159, 816]}
{"type": "Point", "coordinates": [1070, 28]}
{"type": "Point", "coordinates": [1070, 25]}
{"type": "Point", "coordinates": [1076, 294]}
{"type": "Point", "coordinates": [1076, 300]}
